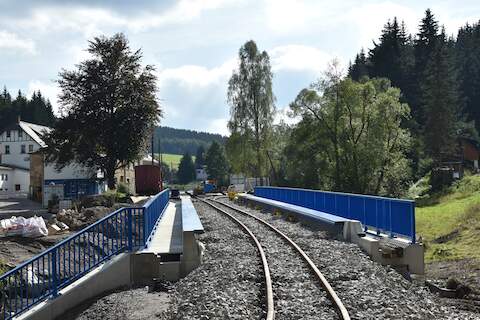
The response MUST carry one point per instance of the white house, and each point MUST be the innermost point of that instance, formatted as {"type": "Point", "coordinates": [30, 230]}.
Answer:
{"type": "Point", "coordinates": [24, 171]}
{"type": "Point", "coordinates": [201, 173]}
{"type": "Point", "coordinates": [17, 142]}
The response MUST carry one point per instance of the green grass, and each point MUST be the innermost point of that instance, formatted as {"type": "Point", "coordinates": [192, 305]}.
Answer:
{"type": "Point", "coordinates": [172, 160]}
{"type": "Point", "coordinates": [449, 222]}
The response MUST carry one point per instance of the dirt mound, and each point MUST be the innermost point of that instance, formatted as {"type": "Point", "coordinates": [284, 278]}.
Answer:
{"type": "Point", "coordinates": [77, 220]}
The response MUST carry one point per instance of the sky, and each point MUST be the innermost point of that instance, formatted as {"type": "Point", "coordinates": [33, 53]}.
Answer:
{"type": "Point", "coordinates": [194, 43]}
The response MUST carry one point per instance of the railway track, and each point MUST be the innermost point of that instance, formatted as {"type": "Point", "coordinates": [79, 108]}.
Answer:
{"type": "Point", "coordinates": [248, 222]}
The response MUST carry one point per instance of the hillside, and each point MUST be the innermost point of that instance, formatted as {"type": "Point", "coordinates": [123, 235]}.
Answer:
{"type": "Point", "coordinates": [450, 222]}
{"type": "Point", "coordinates": [172, 160]}
{"type": "Point", "coordinates": [180, 141]}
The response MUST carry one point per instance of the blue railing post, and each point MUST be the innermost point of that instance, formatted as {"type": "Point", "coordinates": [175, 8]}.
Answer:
{"type": "Point", "coordinates": [54, 274]}
{"type": "Point", "coordinates": [129, 229]}
{"type": "Point", "coordinates": [146, 226]}
{"type": "Point", "coordinates": [412, 221]}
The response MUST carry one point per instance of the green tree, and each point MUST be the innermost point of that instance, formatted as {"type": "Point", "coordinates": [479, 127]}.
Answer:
{"type": "Point", "coordinates": [252, 104]}
{"type": "Point", "coordinates": [186, 169]}
{"type": "Point", "coordinates": [109, 109]}
{"type": "Point", "coordinates": [359, 68]}
{"type": "Point", "coordinates": [467, 49]}
{"type": "Point", "coordinates": [353, 135]}
{"type": "Point", "coordinates": [440, 102]}
{"type": "Point", "coordinates": [200, 157]}
{"type": "Point", "coordinates": [424, 46]}
{"type": "Point", "coordinates": [217, 167]}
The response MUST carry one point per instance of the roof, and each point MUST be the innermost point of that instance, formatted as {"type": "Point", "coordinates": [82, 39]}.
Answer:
{"type": "Point", "coordinates": [35, 131]}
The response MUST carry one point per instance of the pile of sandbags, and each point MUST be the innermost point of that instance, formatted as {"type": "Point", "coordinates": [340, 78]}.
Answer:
{"type": "Point", "coordinates": [19, 226]}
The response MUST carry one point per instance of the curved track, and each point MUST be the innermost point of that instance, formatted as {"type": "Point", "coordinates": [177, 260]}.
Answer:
{"type": "Point", "coordinates": [340, 308]}
{"type": "Point", "coordinates": [266, 269]}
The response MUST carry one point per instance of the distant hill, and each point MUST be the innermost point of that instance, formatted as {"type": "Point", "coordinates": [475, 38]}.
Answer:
{"type": "Point", "coordinates": [180, 141]}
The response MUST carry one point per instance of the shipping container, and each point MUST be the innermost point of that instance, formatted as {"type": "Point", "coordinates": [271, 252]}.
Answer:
{"type": "Point", "coordinates": [147, 179]}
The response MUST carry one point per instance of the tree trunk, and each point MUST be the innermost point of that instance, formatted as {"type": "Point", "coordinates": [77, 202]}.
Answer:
{"type": "Point", "coordinates": [110, 175]}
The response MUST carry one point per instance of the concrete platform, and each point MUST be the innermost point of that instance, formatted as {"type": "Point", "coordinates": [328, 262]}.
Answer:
{"type": "Point", "coordinates": [168, 235]}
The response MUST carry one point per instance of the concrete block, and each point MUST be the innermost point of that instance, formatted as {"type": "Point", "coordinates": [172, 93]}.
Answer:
{"type": "Point", "coordinates": [352, 231]}
{"type": "Point", "coordinates": [111, 275]}
{"type": "Point", "coordinates": [192, 253]}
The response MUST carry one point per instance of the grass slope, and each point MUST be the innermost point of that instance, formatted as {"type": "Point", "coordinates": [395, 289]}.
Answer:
{"type": "Point", "coordinates": [172, 160]}
{"type": "Point", "coordinates": [449, 223]}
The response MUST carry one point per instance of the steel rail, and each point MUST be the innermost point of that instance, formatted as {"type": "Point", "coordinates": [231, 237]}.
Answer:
{"type": "Point", "coordinates": [341, 310]}
{"type": "Point", "coordinates": [266, 270]}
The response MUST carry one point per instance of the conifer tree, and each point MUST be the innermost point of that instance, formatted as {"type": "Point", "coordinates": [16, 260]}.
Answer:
{"type": "Point", "coordinates": [424, 45]}
{"type": "Point", "coordinates": [440, 101]}
{"type": "Point", "coordinates": [359, 68]}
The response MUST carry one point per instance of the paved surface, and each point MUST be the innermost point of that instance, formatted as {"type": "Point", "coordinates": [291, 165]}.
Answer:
{"type": "Point", "coordinates": [168, 236]}
{"type": "Point", "coordinates": [20, 207]}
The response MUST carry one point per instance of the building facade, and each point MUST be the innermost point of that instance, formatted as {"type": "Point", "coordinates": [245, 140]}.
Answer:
{"type": "Point", "coordinates": [17, 142]}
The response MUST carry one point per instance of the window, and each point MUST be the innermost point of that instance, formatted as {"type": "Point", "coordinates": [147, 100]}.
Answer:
{"type": "Point", "coordinates": [17, 187]}
{"type": "Point", "coordinates": [8, 134]}
{"type": "Point", "coordinates": [30, 148]}
{"type": "Point", "coordinates": [121, 178]}
{"type": "Point", "coordinates": [22, 148]}
{"type": "Point", "coordinates": [4, 177]}
{"type": "Point", "coordinates": [7, 149]}
{"type": "Point", "coordinates": [20, 133]}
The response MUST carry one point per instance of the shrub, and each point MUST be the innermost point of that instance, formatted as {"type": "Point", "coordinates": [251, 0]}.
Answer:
{"type": "Point", "coordinates": [122, 188]}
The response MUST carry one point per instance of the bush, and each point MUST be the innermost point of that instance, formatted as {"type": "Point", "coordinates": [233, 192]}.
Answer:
{"type": "Point", "coordinates": [467, 185]}
{"type": "Point", "coordinates": [123, 188]}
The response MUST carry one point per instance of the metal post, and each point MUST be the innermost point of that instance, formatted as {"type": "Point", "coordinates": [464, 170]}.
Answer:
{"type": "Point", "coordinates": [145, 226]}
{"type": "Point", "coordinates": [54, 274]}
{"type": "Point", "coordinates": [390, 214]}
{"type": "Point", "coordinates": [412, 221]}
{"type": "Point", "coordinates": [129, 226]}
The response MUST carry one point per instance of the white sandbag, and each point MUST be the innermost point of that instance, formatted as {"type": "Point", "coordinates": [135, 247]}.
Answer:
{"type": "Point", "coordinates": [35, 227]}
{"type": "Point", "coordinates": [19, 226]}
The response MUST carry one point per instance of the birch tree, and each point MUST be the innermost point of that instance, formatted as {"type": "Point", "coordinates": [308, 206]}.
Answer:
{"type": "Point", "coordinates": [252, 104]}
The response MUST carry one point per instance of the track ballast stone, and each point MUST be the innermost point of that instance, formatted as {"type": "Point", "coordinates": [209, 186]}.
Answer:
{"type": "Point", "coordinates": [230, 282]}
{"type": "Point", "coordinates": [298, 293]}
{"type": "Point", "coordinates": [367, 289]}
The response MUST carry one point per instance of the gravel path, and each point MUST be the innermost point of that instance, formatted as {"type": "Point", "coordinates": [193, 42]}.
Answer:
{"type": "Point", "coordinates": [367, 289]}
{"type": "Point", "coordinates": [297, 292]}
{"type": "Point", "coordinates": [134, 304]}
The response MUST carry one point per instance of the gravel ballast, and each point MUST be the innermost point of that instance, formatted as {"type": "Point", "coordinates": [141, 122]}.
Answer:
{"type": "Point", "coordinates": [297, 292]}
{"type": "Point", "coordinates": [367, 289]}
{"type": "Point", "coordinates": [230, 282]}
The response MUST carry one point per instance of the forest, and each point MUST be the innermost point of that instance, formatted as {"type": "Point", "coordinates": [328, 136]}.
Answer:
{"type": "Point", "coordinates": [35, 109]}
{"type": "Point", "coordinates": [181, 141]}
{"type": "Point", "coordinates": [395, 115]}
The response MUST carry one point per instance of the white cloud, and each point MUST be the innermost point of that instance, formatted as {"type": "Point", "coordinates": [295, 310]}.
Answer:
{"type": "Point", "coordinates": [183, 11]}
{"type": "Point", "coordinates": [369, 19]}
{"type": "Point", "coordinates": [197, 76]}
{"type": "Point", "coordinates": [94, 21]}
{"type": "Point", "coordinates": [48, 90]}
{"type": "Point", "coordinates": [11, 41]}
{"type": "Point", "coordinates": [299, 58]}
{"type": "Point", "coordinates": [219, 126]}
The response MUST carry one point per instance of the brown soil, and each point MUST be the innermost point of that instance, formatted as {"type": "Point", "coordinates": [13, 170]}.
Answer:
{"type": "Point", "coordinates": [466, 272]}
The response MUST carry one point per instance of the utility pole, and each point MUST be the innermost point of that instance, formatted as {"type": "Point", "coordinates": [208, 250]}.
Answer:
{"type": "Point", "coordinates": [153, 157]}
{"type": "Point", "coordinates": [160, 158]}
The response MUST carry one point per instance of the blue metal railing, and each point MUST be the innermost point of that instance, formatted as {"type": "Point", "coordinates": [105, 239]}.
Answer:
{"type": "Point", "coordinates": [126, 229]}
{"type": "Point", "coordinates": [396, 217]}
